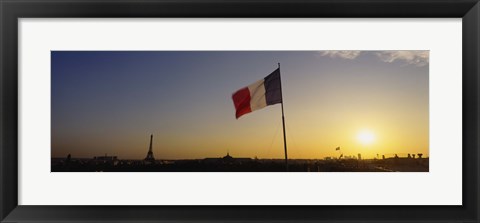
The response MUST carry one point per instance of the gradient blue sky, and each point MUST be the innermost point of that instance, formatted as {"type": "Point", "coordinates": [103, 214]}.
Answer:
{"type": "Point", "coordinates": [110, 102]}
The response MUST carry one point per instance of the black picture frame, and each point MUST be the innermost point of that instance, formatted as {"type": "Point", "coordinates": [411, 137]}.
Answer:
{"type": "Point", "coordinates": [12, 10]}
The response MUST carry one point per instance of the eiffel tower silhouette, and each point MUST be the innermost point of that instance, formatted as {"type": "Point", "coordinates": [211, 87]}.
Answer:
{"type": "Point", "coordinates": [150, 152]}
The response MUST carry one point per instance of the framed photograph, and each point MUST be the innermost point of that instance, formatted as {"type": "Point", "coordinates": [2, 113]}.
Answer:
{"type": "Point", "coordinates": [270, 111]}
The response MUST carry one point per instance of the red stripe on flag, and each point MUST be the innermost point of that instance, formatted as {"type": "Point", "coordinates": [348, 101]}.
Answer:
{"type": "Point", "coordinates": [241, 100]}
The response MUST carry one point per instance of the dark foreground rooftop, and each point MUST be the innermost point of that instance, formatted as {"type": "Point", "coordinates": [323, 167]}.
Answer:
{"type": "Point", "coordinates": [241, 165]}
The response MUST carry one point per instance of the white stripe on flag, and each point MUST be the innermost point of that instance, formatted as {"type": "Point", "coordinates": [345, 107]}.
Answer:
{"type": "Point", "coordinates": [257, 95]}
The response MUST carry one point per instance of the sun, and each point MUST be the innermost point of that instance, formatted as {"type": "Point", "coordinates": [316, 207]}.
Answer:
{"type": "Point", "coordinates": [366, 137]}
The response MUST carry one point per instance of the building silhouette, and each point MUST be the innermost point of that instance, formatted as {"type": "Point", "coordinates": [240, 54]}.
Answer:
{"type": "Point", "coordinates": [112, 160]}
{"type": "Point", "coordinates": [150, 152]}
{"type": "Point", "coordinates": [227, 159]}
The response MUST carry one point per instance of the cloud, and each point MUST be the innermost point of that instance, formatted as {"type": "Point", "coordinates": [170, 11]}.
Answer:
{"type": "Point", "coordinates": [344, 54]}
{"type": "Point", "coordinates": [418, 58]}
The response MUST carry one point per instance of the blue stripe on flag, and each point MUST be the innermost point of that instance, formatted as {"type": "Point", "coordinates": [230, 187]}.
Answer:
{"type": "Point", "coordinates": [273, 90]}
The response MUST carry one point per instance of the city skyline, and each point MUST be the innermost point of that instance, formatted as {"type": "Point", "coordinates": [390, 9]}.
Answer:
{"type": "Point", "coordinates": [367, 102]}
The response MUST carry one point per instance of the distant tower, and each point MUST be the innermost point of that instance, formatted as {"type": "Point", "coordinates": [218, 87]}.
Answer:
{"type": "Point", "coordinates": [150, 152]}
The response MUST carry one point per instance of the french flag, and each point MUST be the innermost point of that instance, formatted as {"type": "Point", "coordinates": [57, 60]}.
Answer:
{"type": "Point", "coordinates": [267, 91]}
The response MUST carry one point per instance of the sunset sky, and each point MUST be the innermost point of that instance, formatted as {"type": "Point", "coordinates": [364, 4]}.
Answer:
{"type": "Point", "coordinates": [368, 102]}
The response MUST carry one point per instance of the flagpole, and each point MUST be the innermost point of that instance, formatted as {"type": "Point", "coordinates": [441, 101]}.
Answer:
{"type": "Point", "coordinates": [283, 122]}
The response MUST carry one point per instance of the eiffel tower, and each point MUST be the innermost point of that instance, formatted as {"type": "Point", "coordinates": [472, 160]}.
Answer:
{"type": "Point", "coordinates": [150, 152]}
